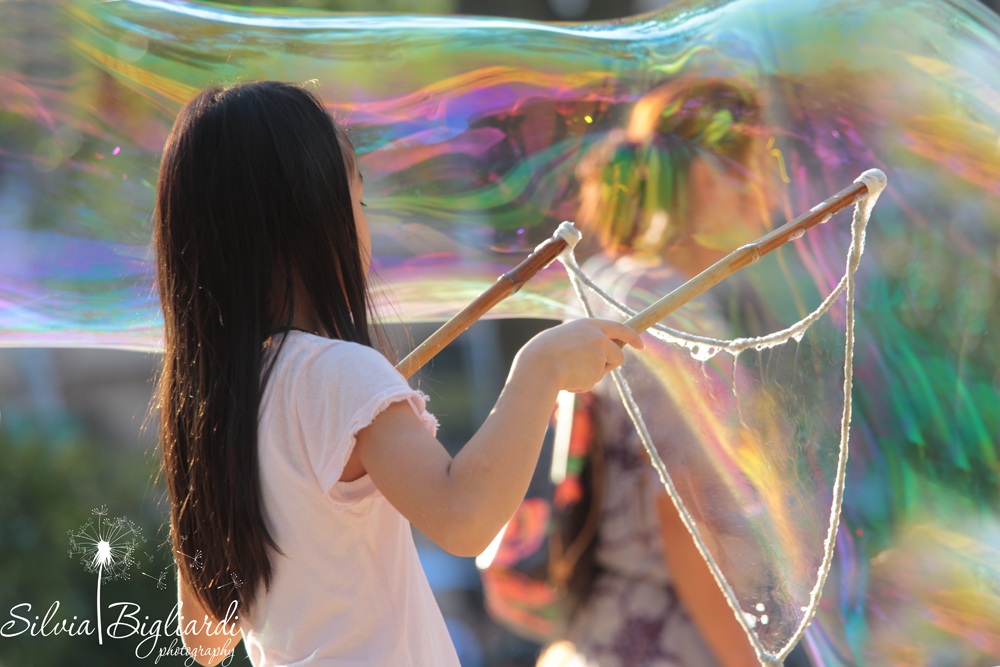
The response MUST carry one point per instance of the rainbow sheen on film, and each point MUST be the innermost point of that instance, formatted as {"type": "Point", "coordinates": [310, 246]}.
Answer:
{"type": "Point", "coordinates": [670, 139]}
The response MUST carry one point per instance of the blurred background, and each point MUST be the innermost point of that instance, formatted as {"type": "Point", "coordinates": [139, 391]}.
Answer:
{"type": "Point", "coordinates": [68, 415]}
{"type": "Point", "coordinates": [74, 428]}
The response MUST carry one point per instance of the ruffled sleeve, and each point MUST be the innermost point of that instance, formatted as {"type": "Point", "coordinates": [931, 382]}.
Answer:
{"type": "Point", "coordinates": [340, 390]}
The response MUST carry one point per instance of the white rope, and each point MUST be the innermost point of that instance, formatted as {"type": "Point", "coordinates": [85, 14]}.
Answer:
{"type": "Point", "coordinates": [703, 348]}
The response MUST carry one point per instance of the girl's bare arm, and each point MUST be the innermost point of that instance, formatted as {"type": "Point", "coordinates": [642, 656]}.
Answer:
{"type": "Point", "coordinates": [462, 503]}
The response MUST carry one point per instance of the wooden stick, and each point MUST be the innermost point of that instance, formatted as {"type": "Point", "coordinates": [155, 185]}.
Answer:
{"type": "Point", "coordinates": [507, 284]}
{"type": "Point", "coordinates": [748, 254]}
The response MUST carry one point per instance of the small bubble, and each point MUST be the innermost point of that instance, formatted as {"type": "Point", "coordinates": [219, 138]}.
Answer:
{"type": "Point", "coordinates": [69, 140]}
{"type": "Point", "coordinates": [760, 606]}
{"type": "Point", "coordinates": [751, 619]}
{"type": "Point", "coordinates": [117, 150]}
{"type": "Point", "coordinates": [48, 155]}
{"type": "Point", "coordinates": [703, 352]}
{"type": "Point", "coordinates": [764, 619]}
{"type": "Point", "coordinates": [132, 47]}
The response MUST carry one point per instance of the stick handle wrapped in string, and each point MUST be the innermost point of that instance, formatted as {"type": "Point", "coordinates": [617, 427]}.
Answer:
{"type": "Point", "coordinates": [870, 183]}
{"type": "Point", "coordinates": [566, 236]}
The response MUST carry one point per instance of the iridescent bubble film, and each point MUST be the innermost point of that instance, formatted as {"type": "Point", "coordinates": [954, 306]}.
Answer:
{"type": "Point", "coordinates": [749, 435]}
{"type": "Point", "coordinates": [671, 139]}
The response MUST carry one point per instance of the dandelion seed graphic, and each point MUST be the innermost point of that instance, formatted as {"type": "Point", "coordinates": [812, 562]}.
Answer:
{"type": "Point", "coordinates": [161, 581]}
{"type": "Point", "coordinates": [235, 582]}
{"type": "Point", "coordinates": [106, 547]}
{"type": "Point", "coordinates": [195, 561]}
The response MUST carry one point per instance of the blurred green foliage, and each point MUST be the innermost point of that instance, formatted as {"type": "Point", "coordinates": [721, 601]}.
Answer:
{"type": "Point", "coordinates": [47, 491]}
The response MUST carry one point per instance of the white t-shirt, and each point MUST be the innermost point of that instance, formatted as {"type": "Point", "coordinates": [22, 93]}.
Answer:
{"type": "Point", "coordinates": [348, 588]}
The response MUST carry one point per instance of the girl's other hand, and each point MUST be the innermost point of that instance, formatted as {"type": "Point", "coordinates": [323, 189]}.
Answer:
{"type": "Point", "coordinates": [577, 354]}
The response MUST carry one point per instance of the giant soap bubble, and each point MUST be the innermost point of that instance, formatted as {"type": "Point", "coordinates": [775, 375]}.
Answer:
{"type": "Point", "coordinates": [671, 138]}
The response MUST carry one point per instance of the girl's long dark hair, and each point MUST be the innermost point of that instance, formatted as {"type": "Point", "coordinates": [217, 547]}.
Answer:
{"type": "Point", "coordinates": [253, 200]}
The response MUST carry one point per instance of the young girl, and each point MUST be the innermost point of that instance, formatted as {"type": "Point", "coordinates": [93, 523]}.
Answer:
{"type": "Point", "coordinates": [296, 457]}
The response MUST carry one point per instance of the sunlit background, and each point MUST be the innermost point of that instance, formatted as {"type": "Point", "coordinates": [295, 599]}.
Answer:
{"type": "Point", "coordinates": [74, 433]}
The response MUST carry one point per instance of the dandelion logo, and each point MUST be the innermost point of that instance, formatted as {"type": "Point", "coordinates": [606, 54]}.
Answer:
{"type": "Point", "coordinates": [106, 547]}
